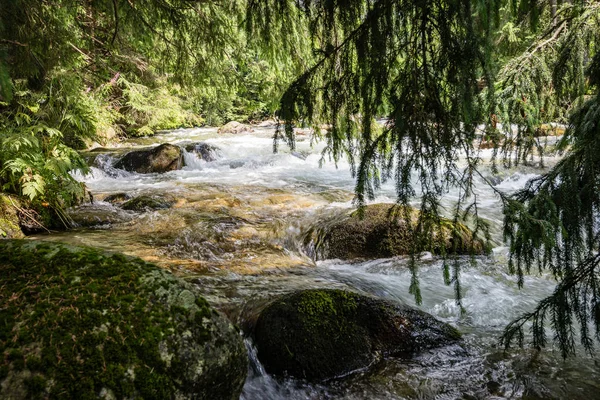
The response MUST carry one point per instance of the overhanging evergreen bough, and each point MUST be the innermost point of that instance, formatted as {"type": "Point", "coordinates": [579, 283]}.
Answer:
{"type": "Point", "coordinates": [424, 64]}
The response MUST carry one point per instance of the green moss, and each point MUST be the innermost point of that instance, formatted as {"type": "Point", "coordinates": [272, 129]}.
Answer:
{"type": "Point", "coordinates": [3, 372]}
{"type": "Point", "coordinates": [15, 356]}
{"type": "Point", "coordinates": [35, 385]}
{"type": "Point", "coordinates": [319, 308]}
{"type": "Point", "coordinates": [324, 333]}
{"type": "Point", "coordinates": [89, 320]}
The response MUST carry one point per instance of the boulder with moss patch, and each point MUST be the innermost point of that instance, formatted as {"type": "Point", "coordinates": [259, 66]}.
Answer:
{"type": "Point", "coordinates": [325, 333]}
{"type": "Point", "coordinates": [9, 219]}
{"type": "Point", "coordinates": [382, 232]}
{"type": "Point", "coordinates": [163, 158]}
{"type": "Point", "coordinates": [79, 323]}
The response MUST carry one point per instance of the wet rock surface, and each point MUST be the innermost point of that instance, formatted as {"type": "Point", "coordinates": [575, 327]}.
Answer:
{"type": "Point", "coordinates": [381, 232]}
{"type": "Point", "coordinates": [79, 323]}
{"type": "Point", "coordinates": [95, 214]}
{"type": "Point", "coordinates": [204, 151]}
{"type": "Point", "coordinates": [235, 127]}
{"type": "Point", "coordinates": [318, 334]}
{"type": "Point", "coordinates": [163, 158]}
{"type": "Point", "coordinates": [118, 198]}
{"type": "Point", "coordinates": [147, 203]}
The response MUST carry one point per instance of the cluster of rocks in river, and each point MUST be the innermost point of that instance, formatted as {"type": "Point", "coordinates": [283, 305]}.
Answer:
{"type": "Point", "coordinates": [160, 159]}
{"type": "Point", "coordinates": [76, 322]}
{"type": "Point", "coordinates": [164, 158]}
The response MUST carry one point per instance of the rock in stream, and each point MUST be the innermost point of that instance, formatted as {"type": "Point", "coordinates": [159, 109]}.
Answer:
{"type": "Point", "coordinates": [164, 158]}
{"type": "Point", "coordinates": [381, 233]}
{"type": "Point", "coordinates": [235, 127]}
{"type": "Point", "coordinates": [318, 334]}
{"type": "Point", "coordinates": [79, 323]}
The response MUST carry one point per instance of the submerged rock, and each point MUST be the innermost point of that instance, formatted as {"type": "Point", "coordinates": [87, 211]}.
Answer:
{"type": "Point", "coordinates": [146, 203]}
{"type": "Point", "coordinates": [98, 214]}
{"type": "Point", "coordinates": [379, 233]}
{"type": "Point", "coordinates": [79, 323]}
{"type": "Point", "coordinates": [325, 333]}
{"type": "Point", "coordinates": [118, 198]}
{"type": "Point", "coordinates": [235, 128]}
{"type": "Point", "coordinates": [164, 158]}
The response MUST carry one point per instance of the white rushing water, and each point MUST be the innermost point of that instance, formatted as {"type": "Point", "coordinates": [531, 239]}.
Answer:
{"type": "Point", "coordinates": [491, 297]}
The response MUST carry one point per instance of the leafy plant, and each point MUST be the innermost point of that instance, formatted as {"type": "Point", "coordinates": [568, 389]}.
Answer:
{"type": "Point", "coordinates": [35, 162]}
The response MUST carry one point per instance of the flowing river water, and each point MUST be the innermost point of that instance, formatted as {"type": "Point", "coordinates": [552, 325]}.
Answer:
{"type": "Point", "coordinates": [236, 231]}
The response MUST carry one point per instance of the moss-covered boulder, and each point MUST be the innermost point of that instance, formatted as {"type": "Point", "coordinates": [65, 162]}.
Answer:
{"type": "Point", "coordinates": [235, 128]}
{"type": "Point", "coordinates": [319, 334]}
{"type": "Point", "coordinates": [81, 324]}
{"type": "Point", "coordinates": [9, 219]}
{"type": "Point", "coordinates": [164, 158]}
{"type": "Point", "coordinates": [381, 232]}
{"type": "Point", "coordinates": [147, 203]}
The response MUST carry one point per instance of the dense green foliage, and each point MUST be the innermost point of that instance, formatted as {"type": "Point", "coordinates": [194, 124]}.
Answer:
{"type": "Point", "coordinates": [74, 72]}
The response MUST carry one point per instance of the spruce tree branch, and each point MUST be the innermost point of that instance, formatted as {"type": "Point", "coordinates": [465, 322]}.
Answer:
{"type": "Point", "coordinates": [14, 42]}
{"type": "Point", "coordinates": [570, 283]}
{"type": "Point", "coordinates": [549, 40]}
{"type": "Point", "coordinates": [116, 16]}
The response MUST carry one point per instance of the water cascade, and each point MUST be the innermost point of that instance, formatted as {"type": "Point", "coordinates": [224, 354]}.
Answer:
{"type": "Point", "coordinates": [235, 224]}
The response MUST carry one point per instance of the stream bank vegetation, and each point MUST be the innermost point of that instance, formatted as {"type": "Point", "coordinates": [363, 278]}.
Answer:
{"type": "Point", "coordinates": [448, 75]}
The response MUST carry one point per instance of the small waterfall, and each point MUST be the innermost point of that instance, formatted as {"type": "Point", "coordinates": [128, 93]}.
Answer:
{"type": "Point", "coordinates": [261, 385]}
{"type": "Point", "coordinates": [191, 161]}
{"type": "Point", "coordinates": [105, 162]}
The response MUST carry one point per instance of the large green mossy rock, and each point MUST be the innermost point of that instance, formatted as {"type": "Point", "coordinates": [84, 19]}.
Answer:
{"type": "Point", "coordinates": [82, 324]}
{"type": "Point", "coordinates": [9, 219]}
{"type": "Point", "coordinates": [164, 158]}
{"type": "Point", "coordinates": [381, 232]}
{"type": "Point", "coordinates": [319, 334]}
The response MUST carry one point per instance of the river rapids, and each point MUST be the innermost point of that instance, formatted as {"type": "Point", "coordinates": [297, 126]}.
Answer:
{"type": "Point", "coordinates": [236, 230]}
